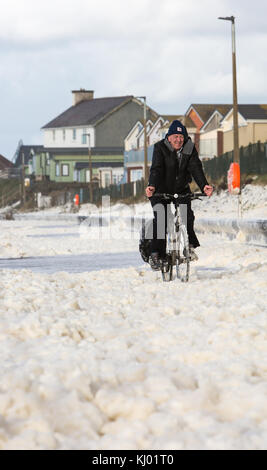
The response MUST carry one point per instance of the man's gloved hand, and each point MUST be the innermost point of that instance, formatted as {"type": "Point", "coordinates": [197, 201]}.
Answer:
{"type": "Point", "coordinates": [150, 191]}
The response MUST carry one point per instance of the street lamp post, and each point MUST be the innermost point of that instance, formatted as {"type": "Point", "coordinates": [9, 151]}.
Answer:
{"type": "Point", "coordinates": [90, 168]}
{"type": "Point", "coordinates": [23, 191]}
{"type": "Point", "coordinates": [145, 141]}
{"type": "Point", "coordinates": [235, 107]}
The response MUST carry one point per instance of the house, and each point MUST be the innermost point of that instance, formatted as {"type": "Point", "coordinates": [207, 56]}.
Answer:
{"type": "Point", "coordinates": [72, 165]}
{"type": "Point", "coordinates": [201, 114]}
{"type": "Point", "coordinates": [206, 118]}
{"type": "Point", "coordinates": [25, 153]}
{"type": "Point", "coordinates": [134, 143]}
{"type": "Point", "coordinates": [95, 125]}
{"type": "Point", "coordinates": [5, 163]}
{"type": "Point", "coordinates": [252, 124]}
{"type": "Point", "coordinates": [215, 126]}
{"type": "Point", "coordinates": [6, 167]}
{"type": "Point", "coordinates": [141, 136]}
{"type": "Point", "coordinates": [130, 141]}
{"type": "Point", "coordinates": [106, 120]}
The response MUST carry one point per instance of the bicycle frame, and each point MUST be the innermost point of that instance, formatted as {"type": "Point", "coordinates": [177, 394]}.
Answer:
{"type": "Point", "coordinates": [177, 244]}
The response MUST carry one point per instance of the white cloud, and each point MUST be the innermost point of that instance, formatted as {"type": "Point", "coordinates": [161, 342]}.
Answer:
{"type": "Point", "coordinates": [174, 52]}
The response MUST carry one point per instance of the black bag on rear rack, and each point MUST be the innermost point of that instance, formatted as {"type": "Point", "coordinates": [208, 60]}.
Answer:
{"type": "Point", "coordinates": [146, 234]}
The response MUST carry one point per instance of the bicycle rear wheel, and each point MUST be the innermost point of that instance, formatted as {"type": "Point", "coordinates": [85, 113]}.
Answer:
{"type": "Point", "coordinates": [183, 258]}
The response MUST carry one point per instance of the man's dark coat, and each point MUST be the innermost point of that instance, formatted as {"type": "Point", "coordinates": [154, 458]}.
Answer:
{"type": "Point", "coordinates": [171, 173]}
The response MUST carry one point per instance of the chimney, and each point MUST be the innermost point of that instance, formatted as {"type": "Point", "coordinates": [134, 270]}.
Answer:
{"type": "Point", "coordinates": [82, 95]}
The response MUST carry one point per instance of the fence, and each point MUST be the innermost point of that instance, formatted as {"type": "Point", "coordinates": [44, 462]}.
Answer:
{"type": "Point", "coordinates": [8, 173]}
{"type": "Point", "coordinates": [253, 161]}
{"type": "Point", "coordinates": [57, 197]}
{"type": "Point", "coordinates": [116, 192]}
{"type": "Point", "coordinates": [10, 192]}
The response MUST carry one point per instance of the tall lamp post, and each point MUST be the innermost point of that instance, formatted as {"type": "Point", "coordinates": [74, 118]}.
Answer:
{"type": "Point", "coordinates": [23, 191]}
{"type": "Point", "coordinates": [235, 108]}
{"type": "Point", "coordinates": [145, 141]}
{"type": "Point", "coordinates": [90, 167]}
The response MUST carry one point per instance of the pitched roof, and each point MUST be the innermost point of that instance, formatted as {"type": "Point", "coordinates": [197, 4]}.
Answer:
{"type": "Point", "coordinates": [248, 111]}
{"type": "Point", "coordinates": [206, 110]}
{"type": "Point", "coordinates": [253, 111]}
{"type": "Point", "coordinates": [172, 117]}
{"type": "Point", "coordinates": [185, 120]}
{"type": "Point", "coordinates": [87, 112]}
{"type": "Point", "coordinates": [27, 150]}
{"type": "Point", "coordinates": [5, 163]}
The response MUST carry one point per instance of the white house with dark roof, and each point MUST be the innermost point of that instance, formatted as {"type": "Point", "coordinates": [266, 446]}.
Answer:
{"type": "Point", "coordinates": [141, 136]}
{"type": "Point", "coordinates": [130, 141]}
{"type": "Point", "coordinates": [106, 120]}
{"type": "Point", "coordinates": [154, 135]}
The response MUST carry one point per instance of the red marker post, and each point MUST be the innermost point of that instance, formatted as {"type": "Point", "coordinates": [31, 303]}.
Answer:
{"type": "Point", "coordinates": [77, 200]}
{"type": "Point", "coordinates": [233, 178]}
{"type": "Point", "coordinates": [234, 186]}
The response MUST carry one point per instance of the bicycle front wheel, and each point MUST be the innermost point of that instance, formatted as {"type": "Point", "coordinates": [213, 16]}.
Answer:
{"type": "Point", "coordinates": [183, 255]}
{"type": "Point", "coordinates": [166, 268]}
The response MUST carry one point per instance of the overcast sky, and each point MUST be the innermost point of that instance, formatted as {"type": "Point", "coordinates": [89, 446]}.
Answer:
{"type": "Point", "coordinates": [176, 52]}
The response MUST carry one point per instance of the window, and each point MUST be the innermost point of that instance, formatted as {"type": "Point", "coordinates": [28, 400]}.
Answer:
{"type": "Point", "coordinates": [77, 175]}
{"type": "Point", "coordinates": [34, 163]}
{"type": "Point", "coordinates": [74, 134]}
{"type": "Point", "coordinates": [54, 135]}
{"type": "Point", "coordinates": [84, 136]}
{"type": "Point", "coordinates": [64, 134]}
{"type": "Point", "coordinates": [107, 179]}
{"type": "Point", "coordinates": [47, 158]}
{"type": "Point", "coordinates": [87, 176]}
{"type": "Point", "coordinates": [57, 169]}
{"type": "Point", "coordinates": [136, 175]}
{"type": "Point", "coordinates": [116, 178]}
{"type": "Point", "coordinates": [65, 169]}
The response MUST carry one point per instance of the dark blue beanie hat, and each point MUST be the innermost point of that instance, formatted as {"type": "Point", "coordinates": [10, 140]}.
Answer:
{"type": "Point", "coordinates": [177, 127]}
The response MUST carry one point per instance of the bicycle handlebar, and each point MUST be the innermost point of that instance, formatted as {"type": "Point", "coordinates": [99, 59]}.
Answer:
{"type": "Point", "coordinates": [179, 196]}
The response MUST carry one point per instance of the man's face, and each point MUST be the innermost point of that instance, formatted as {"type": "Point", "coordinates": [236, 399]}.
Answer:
{"type": "Point", "coordinates": [176, 141]}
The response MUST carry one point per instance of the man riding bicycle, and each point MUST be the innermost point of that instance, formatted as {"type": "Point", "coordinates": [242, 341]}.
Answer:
{"type": "Point", "coordinates": [175, 160]}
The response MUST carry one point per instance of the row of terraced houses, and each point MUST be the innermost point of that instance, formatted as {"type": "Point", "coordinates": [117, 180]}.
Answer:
{"type": "Point", "coordinates": [112, 130]}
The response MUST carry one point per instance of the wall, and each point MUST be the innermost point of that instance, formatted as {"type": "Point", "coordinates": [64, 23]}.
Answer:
{"type": "Point", "coordinates": [141, 137]}
{"type": "Point", "coordinates": [112, 131]}
{"type": "Point", "coordinates": [70, 176]}
{"type": "Point", "coordinates": [252, 133]}
{"type": "Point", "coordinates": [196, 120]}
{"type": "Point", "coordinates": [131, 142]}
{"type": "Point", "coordinates": [227, 124]}
{"type": "Point", "coordinates": [260, 131]}
{"type": "Point", "coordinates": [214, 122]}
{"type": "Point", "coordinates": [208, 144]}
{"type": "Point", "coordinates": [68, 142]}
{"type": "Point", "coordinates": [154, 135]}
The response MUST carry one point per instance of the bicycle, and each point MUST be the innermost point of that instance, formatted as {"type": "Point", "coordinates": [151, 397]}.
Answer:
{"type": "Point", "coordinates": [177, 244]}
